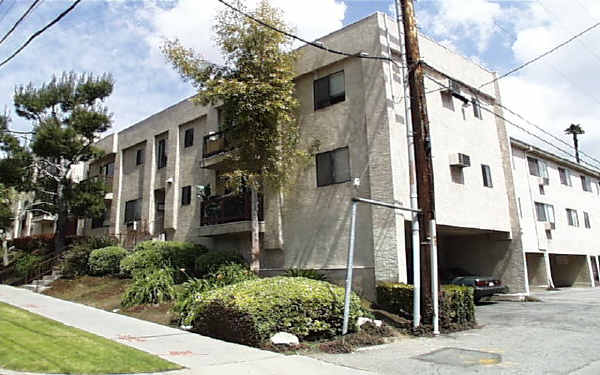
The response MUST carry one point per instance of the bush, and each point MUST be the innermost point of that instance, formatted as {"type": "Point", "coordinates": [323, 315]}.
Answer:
{"type": "Point", "coordinates": [308, 273]}
{"type": "Point", "coordinates": [151, 286]}
{"type": "Point", "coordinates": [26, 263]}
{"type": "Point", "coordinates": [226, 274]}
{"type": "Point", "coordinates": [250, 312]}
{"type": "Point", "coordinates": [42, 244]}
{"type": "Point", "coordinates": [77, 255]}
{"type": "Point", "coordinates": [212, 260]}
{"type": "Point", "coordinates": [106, 261]}
{"type": "Point", "coordinates": [457, 303]}
{"type": "Point", "coordinates": [160, 254]}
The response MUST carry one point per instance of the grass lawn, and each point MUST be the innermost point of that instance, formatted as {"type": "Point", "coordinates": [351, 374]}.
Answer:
{"type": "Point", "coordinates": [29, 342]}
{"type": "Point", "coordinates": [105, 293]}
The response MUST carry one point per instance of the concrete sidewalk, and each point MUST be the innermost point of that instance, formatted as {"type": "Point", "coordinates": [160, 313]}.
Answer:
{"type": "Point", "coordinates": [198, 354]}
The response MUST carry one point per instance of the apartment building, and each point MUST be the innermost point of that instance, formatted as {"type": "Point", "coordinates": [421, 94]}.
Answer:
{"type": "Point", "coordinates": [166, 171]}
{"type": "Point", "coordinates": [559, 210]}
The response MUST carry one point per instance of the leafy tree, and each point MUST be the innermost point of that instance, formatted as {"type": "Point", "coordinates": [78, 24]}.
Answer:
{"type": "Point", "coordinates": [256, 90]}
{"type": "Point", "coordinates": [67, 115]}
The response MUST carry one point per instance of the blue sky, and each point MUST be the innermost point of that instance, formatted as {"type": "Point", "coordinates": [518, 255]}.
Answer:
{"type": "Point", "coordinates": [122, 37]}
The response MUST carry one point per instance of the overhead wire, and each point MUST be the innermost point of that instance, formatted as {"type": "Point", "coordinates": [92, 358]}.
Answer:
{"type": "Point", "coordinates": [10, 31]}
{"type": "Point", "coordinates": [41, 31]}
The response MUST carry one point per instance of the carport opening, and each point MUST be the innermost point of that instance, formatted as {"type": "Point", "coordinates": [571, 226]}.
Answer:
{"type": "Point", "coordinates": [569, 270]}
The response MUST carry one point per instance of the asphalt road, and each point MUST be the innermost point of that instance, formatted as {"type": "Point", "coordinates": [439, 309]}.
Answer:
{"type": "Point", "coordinates": [560, 335]}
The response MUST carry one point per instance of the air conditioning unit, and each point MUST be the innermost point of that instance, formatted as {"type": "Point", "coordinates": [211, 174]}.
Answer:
{"type": "Point", "coordinates": [454, 86]}
{"type": "Point", "coordinates": [133, 225]}
{"type": "Point", "coordinates": [549, 226]}
{"type": "Point", "coordinates": [543, 181]}
{"type": "Point", "coordinates": [460, 160]}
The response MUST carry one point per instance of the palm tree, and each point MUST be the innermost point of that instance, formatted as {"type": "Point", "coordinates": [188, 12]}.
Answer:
{"type": "Point", "coordinates": [575, 129]}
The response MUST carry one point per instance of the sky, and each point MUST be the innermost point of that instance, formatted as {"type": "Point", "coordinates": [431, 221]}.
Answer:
{"type": "Point", "coordinates": [122, 37]}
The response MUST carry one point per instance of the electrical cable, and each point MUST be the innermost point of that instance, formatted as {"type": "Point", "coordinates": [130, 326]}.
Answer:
{"type": "Point", "coordinates": [19, 20]}
{"type": "Point", "coordinates": [39, 32]}
{"type": "Point", "coordinates": [552, 50]}
{"type": "Point", "coordinates": [314, 44]}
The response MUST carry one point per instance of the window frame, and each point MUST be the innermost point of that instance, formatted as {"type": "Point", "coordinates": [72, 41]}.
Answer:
{"type": "Point", "coordinates": [139, 156]}
{"type": "Point", "coordinates": [548, 211]}
{"type": "Point", "coordinates": [186, 195]}
{"type": "Point", "coordinates": [586, 182]}
{"type": "Point", "coordinates": [188, 137]}
{"type": "Point", "coordinates": [572, 217]}
{"type": "Point", "coordinates": [320, 103]}
{"type": "Point", "coordinates": [486, 173]}
{"type": "Point", "coordinates": [447, 100]}
{"type": "Point", "coordinates": [137, 210]}
{"type": "Point", "coordinates": [332, 167]}
{"type": "Point", "coordinates": [565, 176]}
{"type": "Point", "coordinates": [161, 153]}
{"type": "Point", "coordinates": [477, 108]}
{"type": "Point", "coordinates": [541, 168]}
{"type": "Point", "coordinates": [586, 220]}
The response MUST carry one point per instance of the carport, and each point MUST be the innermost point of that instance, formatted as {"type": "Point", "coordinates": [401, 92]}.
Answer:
{"type": "Point", "coordinates": [571, 270]}
{"type": "Point", "coordinates": [537, 274]}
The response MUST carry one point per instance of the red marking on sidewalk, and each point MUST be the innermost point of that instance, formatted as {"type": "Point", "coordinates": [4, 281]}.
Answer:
{"type": "Point", "coordinates": [185, 353]}
{"type": "Point", "coordinates": [130, 338]}
{"type": "Point", "coordinates": [30, 306]}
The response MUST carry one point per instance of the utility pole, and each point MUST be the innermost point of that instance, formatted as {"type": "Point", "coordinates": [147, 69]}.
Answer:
{"type": "Point", "coordinates": [575, 130]}
{"type": "Point", "coordinates": [423, 162]}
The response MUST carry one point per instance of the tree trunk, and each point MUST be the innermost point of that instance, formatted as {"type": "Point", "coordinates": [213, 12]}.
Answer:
{"type": "Point", "coordinates": [255, 250]}
{"type": "Point", "coordinates": [5, 250]}
{"type": "Point", "coordinates": [576, 144]}
{"type": "Point", "coordinates": [61, 219]}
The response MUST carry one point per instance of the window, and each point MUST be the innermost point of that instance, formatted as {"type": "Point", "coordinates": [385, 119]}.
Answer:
{"type": "Point", "coordinates": [186, 195]}
{"type": "Point", "coordinates": [447, 100]}
{"type": "Point", "coordinates": [572, 217]}
{"type": "Point", "coordinates": [108, 169]}
{"type": "Point", "coordinates": [565, 177]}
{"type": "Point", "coordinates": [333, 167]}
{"type": "Point", "coordinates": [544, 212]}
{"type": "Point", "coordinates": [329, 90]}
{"type": "Point", "coordinates": [161, 154]}
{"type": "Point", "coordinates": [549, 234]}
{"type": "Point", "coordinates": [542, 190]}
{"type": "Point", "coordinates": [586, 220]}
{"type": "Point", "coordinates": [139, 156]}
{"type": "Point", "coordinates": [537, 167]}
{"type": "Point", "coordinates": [586, 183]}
{"type": "Point", "coordinates": [476, 108]}
{"type": "Point", "coordinates": [487, 175]}
{"type": "Point", "coordinates": [133, 210]}
{"type": "Point", "coordinates": [188, 138]}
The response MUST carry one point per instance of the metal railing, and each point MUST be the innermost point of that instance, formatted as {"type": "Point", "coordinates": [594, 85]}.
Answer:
{"type": "Point", "coordinates": [229, 209]}
{"type": "Point", "coordinates": [215, 143]}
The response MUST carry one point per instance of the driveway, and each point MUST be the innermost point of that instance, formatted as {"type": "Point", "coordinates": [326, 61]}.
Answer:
{"type": "Point", "coordinates": [557, 336]}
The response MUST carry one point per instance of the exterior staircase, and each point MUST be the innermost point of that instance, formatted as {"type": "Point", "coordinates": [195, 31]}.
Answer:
{"type": "Point", "coordinates": [38, 286]}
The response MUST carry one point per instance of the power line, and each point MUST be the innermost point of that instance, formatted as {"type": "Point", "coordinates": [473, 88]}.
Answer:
{"type": "Point", "coordinates": [314, 44]}
{"type": "Point", "coordinates": [19, 20]}
{"type": "Point", "coordinates": [554, 49]}
{"type": "Point", "coordinates": [39, 32]}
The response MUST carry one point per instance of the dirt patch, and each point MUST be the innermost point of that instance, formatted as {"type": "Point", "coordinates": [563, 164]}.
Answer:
{"type": "Point", "coordinates": [159, 313]}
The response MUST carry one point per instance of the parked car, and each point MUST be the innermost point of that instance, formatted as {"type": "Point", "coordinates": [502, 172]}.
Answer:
{"type": "Point", "coordinates": [484, 286]}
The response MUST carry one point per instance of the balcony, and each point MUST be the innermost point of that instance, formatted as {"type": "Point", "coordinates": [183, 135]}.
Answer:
{"type": "Point", "coordinates": [215, 147]}
{"type": "Point", "coordinates": [228, 214]}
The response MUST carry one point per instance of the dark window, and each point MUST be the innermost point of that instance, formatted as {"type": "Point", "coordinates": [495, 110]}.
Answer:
{"type": "Point", "coordinates": [108, 169]}
{"type": "Point", "coordinates": [447, 100]}
{"type": "Point", "coordinates": [329, 90]}
{"type": "Point", "coordinates": [188, 140]}
{"type": "Point", "coordinates": [139, 156]}
{"type": "Point", "coordinates": [586, 220]}
{"type": "Point", "coordinates": [476, 108]}
{"type": "Point", "coordinates": [542, 190]}
{"type": "Point", "coordinates": [537, 167]}
{"type": "Point", "coordinates": [487, 175]}
{"type": "Point", "coordinates": [133, 210]}
{"type": "Point", "coordinates": [161, 154]}
{"type": "Point", "coordinates": [544, 212]}
{"type": "Point", "coordinates": [186, 195]}
{"type": "Point", "coordinates": [565, 177]}
{"type": "Point", "coordinates": [586, 183]}
{"type": "Point", "coordinates": [572, 217]}
{"type": "Point", "coordinates": [333, 167]}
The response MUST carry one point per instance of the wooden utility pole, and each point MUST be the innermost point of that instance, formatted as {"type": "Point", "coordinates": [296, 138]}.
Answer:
{"type": "Point", "coordinates": [423, 162]}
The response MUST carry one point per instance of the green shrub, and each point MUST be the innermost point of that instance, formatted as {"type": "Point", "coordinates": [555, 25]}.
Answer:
{"type": "Point", "coordinates": [26, 263]}
{"type": "Point", "coordinates": [99, 242]}
{"type": "Point", "coordinates": [41, 243]}
{"type": "Point", "coordinates": [106, 261]}
{"type": "Point", "coordinates": [250, 312]}
{"type": "Point", "coordinates": [457, 304]}
{"type": "Point", "coordinates": [150, 286]}
{"type": "Point", "coordinates": [160, 254]}
{"type": "Point", "coordinates": [308, 273]}
{"type": "Point", "coordinates": [226, 274]}
{"type": "Point", "coordinates": [77, 255]}
{"type": "Point", "coordinates": [210, 261]}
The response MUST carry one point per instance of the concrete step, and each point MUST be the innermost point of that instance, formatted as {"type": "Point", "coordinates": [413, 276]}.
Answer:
{"type": "Point", "coordinates": [35, 288]}
{"type": "Point", "coordinates": [42, 282]}
{"type": "Point", "coordinates": [50, 277]}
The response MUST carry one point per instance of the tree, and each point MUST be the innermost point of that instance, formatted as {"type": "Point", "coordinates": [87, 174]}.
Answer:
{"type": "Point", "coordinates": [256, 89]}
{"type": "Point", "coordinates": [68, 116]}
{"type": "Point", "coordinates": [575, 130]}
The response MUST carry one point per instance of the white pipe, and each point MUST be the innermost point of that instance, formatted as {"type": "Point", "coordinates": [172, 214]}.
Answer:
{"type": "Point", "coordinates": [414, 201]}
{"type": "Point", "coordinates": [548, 270]}
{"type": "Point", "coordinates": [350, 266]}
{"type": "Point", "coordinates": [591, 271]}
{"type": "Point", "coordinates": [434, 280]}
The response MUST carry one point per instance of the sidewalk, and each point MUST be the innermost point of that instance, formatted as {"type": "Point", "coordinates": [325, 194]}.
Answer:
{"type": "Point", "coordinates": [198, 354]}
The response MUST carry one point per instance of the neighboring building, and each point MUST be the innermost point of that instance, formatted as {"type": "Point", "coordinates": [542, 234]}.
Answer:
{"type": "Point", "coordinates": [559, 209]}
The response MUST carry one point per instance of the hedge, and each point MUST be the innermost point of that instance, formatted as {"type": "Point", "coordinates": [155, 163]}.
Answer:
{"type": "Point", "coordinates": [251, 311]}
{"type": "Point", "coordinates": [209, 262]}
{"type": "Point", "coordinates": [457, 303]}
{"type": "Point", "coordinates": [77, 256]}
{"type": "Point", "coordinates": [161, 254]}
{"type": "Point", "coordinates": [106, 261]}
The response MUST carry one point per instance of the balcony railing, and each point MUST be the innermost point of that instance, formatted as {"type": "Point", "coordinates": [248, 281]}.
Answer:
{"type": "Point", "coordinates": [229, 209]}
{"type": "Point", "coordinates": [215, 143]}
